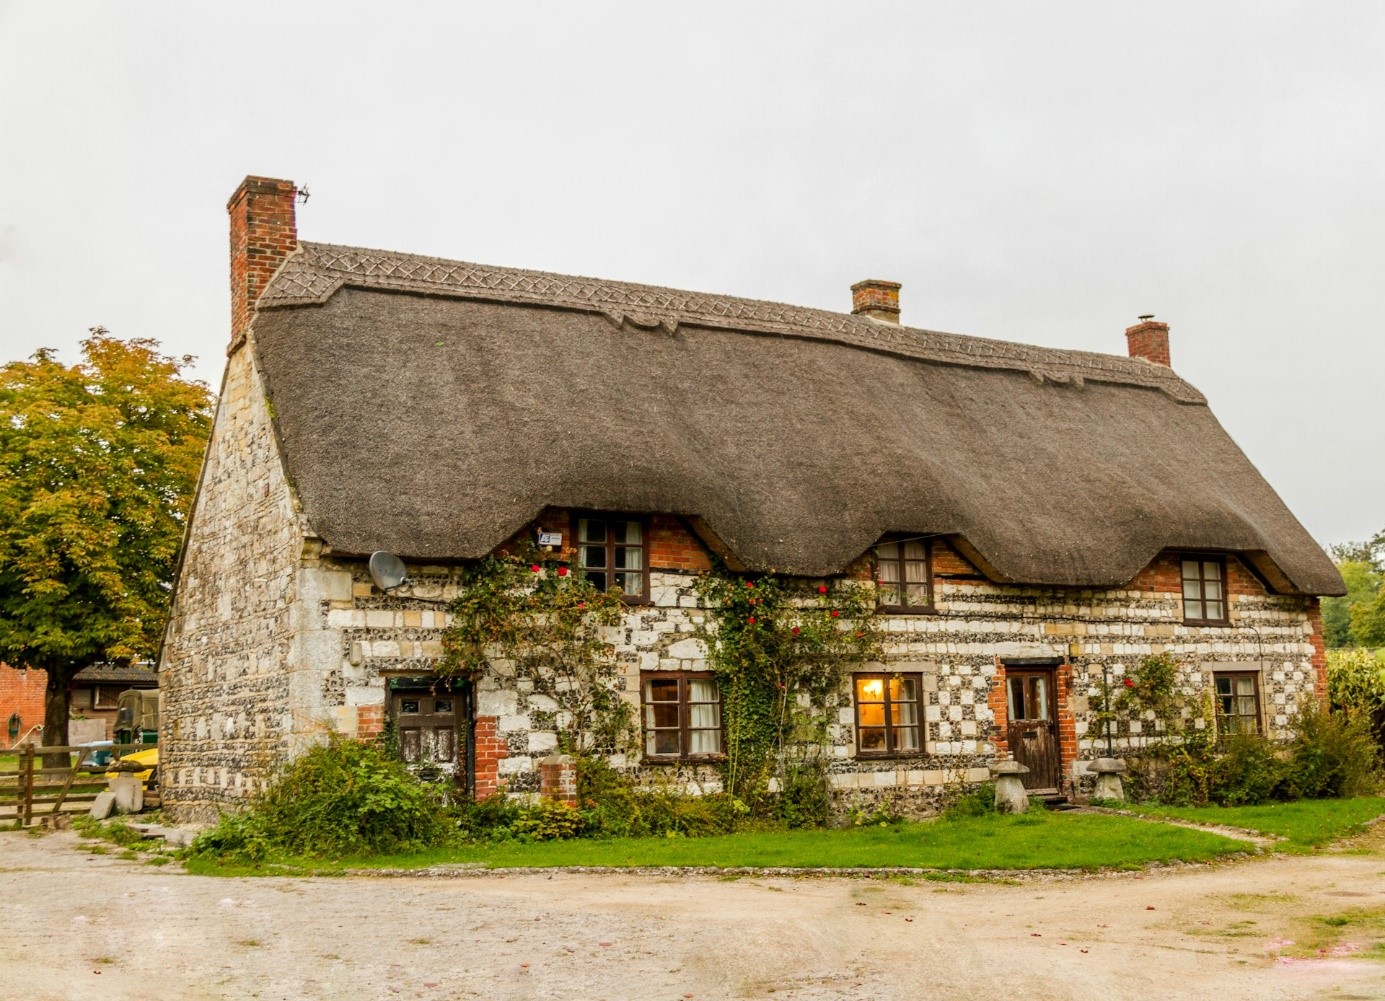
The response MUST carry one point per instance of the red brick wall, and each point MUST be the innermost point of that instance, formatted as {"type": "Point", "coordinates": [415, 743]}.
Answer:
{"type": "Point", "coordinates": [1165, 573]}
{"type": "Point", "coordinates": [21, 692]}
{"type": "Point", "coordinates": [1319, 649]}
{"type": "Point", "coordinates": [948, 560]}
{"type": "Point", "coordinates": [263, 233]}
{"type": "Point", "coordinates": [490, 751]}
{"type": "Point", "coordinates": [1000, 709]}
{"type": "Point", "coordinates": [370, 722]}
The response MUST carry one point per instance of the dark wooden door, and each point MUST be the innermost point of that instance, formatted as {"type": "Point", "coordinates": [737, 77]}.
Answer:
{"type": "Point", "coordinates": [430, 727]}
{"type": "Point", "coordinates": [1033, 730]}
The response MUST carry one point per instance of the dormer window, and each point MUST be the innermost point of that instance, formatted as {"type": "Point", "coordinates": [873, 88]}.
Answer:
{"type": "Point", "coordinates": [903, 580]}
{"type": "Point", "coordinates": [611, 553]}
{"type": "Point", "coordinates": [1204, 590]}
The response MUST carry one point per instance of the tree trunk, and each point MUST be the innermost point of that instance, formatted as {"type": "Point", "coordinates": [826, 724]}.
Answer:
{"type": "Point", "coordinates": [57, 698]}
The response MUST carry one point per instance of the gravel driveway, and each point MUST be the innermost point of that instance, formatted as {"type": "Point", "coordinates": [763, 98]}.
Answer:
{"type": "Point", "coordinates": [77, 926]}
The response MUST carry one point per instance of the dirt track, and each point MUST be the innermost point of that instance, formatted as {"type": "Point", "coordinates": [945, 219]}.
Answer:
{"type": "Point", "coordinates": [77, 926]}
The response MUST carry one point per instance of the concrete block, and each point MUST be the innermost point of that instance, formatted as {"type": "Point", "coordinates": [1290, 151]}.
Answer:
{"type": "Point", "coordinates": [103, 806]}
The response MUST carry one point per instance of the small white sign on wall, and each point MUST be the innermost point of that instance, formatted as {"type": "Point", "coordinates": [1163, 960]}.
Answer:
{"type": "Point", "coordinates": [550, 538]}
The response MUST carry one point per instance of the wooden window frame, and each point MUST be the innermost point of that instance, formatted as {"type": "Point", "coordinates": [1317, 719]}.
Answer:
{"type": "Point", "coordinates": [684, 741]}
{"type": "Point", "coordinates": [1234, 676]}
{"type": "Point", "coordinates": [102, 699]}
{"type": "Point", "coordinates": [608, 516]}
{"type": "Point", "coordinates": [890, 750]}
{"type": "Point", "coordinates": [1201, 559]}
{"type": "Point", "coordinates": [929, 608]}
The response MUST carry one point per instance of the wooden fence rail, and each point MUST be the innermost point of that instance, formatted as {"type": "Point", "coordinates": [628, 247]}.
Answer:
{"type": "Point", "coordinates": [30, 785]}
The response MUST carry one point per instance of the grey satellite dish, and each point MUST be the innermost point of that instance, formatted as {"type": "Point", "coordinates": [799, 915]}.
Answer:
{"type": "Point", "coordinates": [388, 571]}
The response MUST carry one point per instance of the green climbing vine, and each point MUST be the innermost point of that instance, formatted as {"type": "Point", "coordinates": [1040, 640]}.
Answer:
{"type": "Point", "coordinates": [524, 616]}
{"type": "Point", "coordinates": [781, 649]}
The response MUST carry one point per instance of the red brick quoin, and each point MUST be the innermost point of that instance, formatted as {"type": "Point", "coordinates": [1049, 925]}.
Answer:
{"type": "Point", "coordinates": [490, 751]}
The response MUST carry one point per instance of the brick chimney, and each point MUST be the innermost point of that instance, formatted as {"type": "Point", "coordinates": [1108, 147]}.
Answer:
{"type": "Point", "coordinates": [1149, 339]}
{"type": "Point", "coordinates": [263, 233]}
{"type": "Point", "coordinates": [876, 299]}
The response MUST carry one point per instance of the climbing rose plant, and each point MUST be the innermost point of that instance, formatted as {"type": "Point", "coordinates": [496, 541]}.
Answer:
{"type": "Point", "coordinates": [781, 651]}
{"type": "Point", "coordinates": [526, 616]}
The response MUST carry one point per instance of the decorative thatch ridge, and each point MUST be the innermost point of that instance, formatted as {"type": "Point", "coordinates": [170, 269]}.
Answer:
{"type": "Point", "coordinates": [317, 270]}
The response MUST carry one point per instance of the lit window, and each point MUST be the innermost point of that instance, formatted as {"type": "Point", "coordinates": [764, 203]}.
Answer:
{"type": "Point", "coordinates": [1204, 589]}
{"type": "Point", "coordinates": [682, 715]}
{"type": "Point", "coordinates": [610, 553]}
{"type": "Point", "coordinates": [887, 713]}
{"type": "Point", "coordinates": [901, 574]}
{"type": "Point", "coordinates": [1238, 702]}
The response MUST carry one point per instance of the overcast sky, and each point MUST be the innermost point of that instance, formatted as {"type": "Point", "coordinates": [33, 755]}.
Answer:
{"type": "Point", "coordinates": [1040, 172]}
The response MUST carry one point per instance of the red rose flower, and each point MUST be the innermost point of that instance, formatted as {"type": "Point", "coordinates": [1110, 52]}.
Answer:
{"type": "Point", "coordinates": [581, 604]}
{"type": "Point", "coordinates": [562, 571]}
{"type": "Point", "coordinates": [1129, 682]}
{"type": "Point", "coordinates": [751, 620]}
{"type": "Point", "coordinates": [795, 630]}
{"type": "Point", "coordinates": [750, 583]}
{"type": "Point", "coordinates": [836, 614]}
{"type": "Point", "coordinates": [535, 567]}
{"type": "Point", "coordinates": [822, 589]}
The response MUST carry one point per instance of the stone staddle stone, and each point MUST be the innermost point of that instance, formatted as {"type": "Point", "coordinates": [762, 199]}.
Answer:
{"type": "Point", "coordinates": [1108, 778]}
{"type": "Point", "coordinates": [1010, 796]}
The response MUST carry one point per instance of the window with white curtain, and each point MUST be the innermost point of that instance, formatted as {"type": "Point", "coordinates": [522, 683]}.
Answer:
{"type": "Point", "coordinates": [901, 576]}
{"type": "Point", "coordinates": [682, 715]}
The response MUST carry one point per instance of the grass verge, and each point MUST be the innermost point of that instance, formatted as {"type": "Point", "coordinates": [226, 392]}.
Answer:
{"type": "Point", "coordinates": [1037, 840]}
{"type": "Point", "coordinates": [1305, 824]}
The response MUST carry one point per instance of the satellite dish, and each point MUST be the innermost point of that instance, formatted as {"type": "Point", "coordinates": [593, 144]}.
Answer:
{"type": "Point", "coordinates": [388, 571]}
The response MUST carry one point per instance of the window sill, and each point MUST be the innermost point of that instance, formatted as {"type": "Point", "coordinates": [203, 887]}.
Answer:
{"type": "Point", "coordinates": [888, 755]}
{"type": "Point", "coordinates": [1212, 623]}
{"type": "Point", "coordinates": [700, 759]}
{"type": "Point", "coordinates": [907, 609]}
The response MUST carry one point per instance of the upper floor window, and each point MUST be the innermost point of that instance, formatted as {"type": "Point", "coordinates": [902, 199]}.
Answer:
{"type": "Point", "coordinates": [1238, 701]}
{"type": "Point", "coordinates": [902, 576]}
{"type": "Point", "coordinates": [682, 715]}
{"type": "Point", "coordinates": [1204, 590]}
{"type": "Point", "coordinates": [611, 553]}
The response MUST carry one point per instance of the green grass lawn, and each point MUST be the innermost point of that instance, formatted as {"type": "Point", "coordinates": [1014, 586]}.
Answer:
{"type": "Point", "coordinates": [1306, 823]}
{"type": "Point", "coordinates": [1038, 840]}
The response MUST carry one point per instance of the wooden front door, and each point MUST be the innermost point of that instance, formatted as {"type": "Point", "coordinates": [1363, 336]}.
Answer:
{"type": "Point", "coordinates": [1033, 730]}
{"type": "Point", "coordinates": [430, 726]}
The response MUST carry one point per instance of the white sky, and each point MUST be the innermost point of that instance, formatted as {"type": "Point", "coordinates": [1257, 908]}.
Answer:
{"type": "Point", "coordinates": [1041, 172]}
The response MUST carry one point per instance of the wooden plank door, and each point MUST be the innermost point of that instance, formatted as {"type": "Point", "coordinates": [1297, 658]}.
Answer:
{"type": "Point", "coordinates": [430, 726]}
{"type": "Point", "coordinates": [1033, 729]}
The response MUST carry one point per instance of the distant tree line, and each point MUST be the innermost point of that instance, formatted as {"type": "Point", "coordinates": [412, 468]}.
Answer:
{"type": "Point", "coordinates": [1358, 618]}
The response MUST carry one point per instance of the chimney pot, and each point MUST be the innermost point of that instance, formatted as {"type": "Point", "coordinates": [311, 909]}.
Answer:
{"type": "Point", "coordinates": [1149, 339]}
{"type": "Point", "coordinates": [264, 232]}
{"type": "Point", "coordinates": [876, 299]}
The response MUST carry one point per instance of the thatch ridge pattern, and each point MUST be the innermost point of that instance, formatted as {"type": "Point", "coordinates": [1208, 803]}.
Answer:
{"type": "Point", "coordinates": [315, 272]}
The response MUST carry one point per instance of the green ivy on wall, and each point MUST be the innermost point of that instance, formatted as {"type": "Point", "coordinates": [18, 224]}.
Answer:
{"type": "Point", "coordinates": [781, 650]}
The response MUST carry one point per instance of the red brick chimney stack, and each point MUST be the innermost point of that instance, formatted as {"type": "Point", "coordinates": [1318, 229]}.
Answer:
{"type": "Point", "coordinates": [877, 299]}
{"type": "Point", "coordinates": [263, 233]}
{"type": "Point", "coordinates": [1149, 339]}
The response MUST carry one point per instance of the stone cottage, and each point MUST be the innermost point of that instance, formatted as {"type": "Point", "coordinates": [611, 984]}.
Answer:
{"type": "Point", "coordinates": [1036, 521]}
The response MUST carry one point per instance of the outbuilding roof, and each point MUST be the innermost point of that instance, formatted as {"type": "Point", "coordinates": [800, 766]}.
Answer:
{"type": "Point", "coordinates": [433, 408]}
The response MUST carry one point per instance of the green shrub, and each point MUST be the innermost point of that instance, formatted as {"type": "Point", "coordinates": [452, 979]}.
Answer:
{"type": "Point", "coordinates": [547, 820]}
{"type": "Point", "coordinates": [1332, 754]}
{"type": "Point", "coordinates": [804, 799]}
{"type": "Point", "coordinates": [340, 799]}
{"type": "Point", "coordinates": [1247, 772]}
{"type": "Point", "coordinates": [613, 807]}
{"type": "Point", "coordinates": [976, 803]}
{"type": "Point", "coordinates": [1175, 774]}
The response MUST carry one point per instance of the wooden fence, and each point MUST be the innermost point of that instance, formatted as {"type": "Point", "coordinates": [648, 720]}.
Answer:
{"type": "Point", "coordinates": [32, 790]}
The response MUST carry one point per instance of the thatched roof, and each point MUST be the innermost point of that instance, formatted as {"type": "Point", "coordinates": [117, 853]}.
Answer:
{"type": "Point", "coordinates": [433, 408]}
